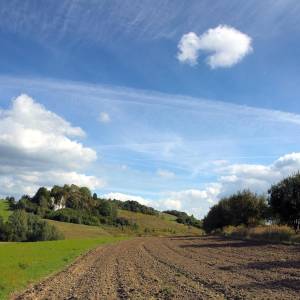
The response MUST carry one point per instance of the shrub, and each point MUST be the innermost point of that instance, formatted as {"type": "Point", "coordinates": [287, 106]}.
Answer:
{"type": "Point", "coordinates": [22, 227]}
{"type": "Point", "coordinates": [74, 216]}
{"type": "Point", "coordinates": [272, 233]}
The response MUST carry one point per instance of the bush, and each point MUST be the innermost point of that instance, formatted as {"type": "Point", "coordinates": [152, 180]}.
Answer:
{"type": "Point", "coordinates": [70, 215]}
{"type": "Point", "coordinates": [272, 233]}
{"type": "Point", "coordinates": [24, 227]}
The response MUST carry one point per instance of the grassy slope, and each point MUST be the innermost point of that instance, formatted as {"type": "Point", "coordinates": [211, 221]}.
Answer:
{"type": "Point", "coordinates": [22, 263]}
{"type": "Point", "coordinates": [163, 224]}
{"type": "Point", "coordinates": [4, 209]}
{"type": "Point", "coordinates": [78, 231]}
{"type": "Point", "coordinates": [147, 225]}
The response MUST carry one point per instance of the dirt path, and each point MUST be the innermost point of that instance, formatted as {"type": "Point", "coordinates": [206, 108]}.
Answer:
{"type": "Point", "coordinates": [178, 268]}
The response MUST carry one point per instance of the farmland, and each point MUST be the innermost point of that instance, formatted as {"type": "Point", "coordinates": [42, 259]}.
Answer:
{"type": "Point", "coordinates": [178, 268]}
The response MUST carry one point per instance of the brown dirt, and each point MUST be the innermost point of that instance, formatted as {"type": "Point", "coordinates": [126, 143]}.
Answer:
{"type": "Point", "coordinates": [178, 268]}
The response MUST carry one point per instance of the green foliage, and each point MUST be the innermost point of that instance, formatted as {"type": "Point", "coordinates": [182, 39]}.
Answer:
{"type": "Point", "coordinates": [24, 227]}
{"type": "Point", "coordinates": [184, 218]}
{"type": "Point", "coordinates": [135, 207]}
{"type": "Point", "coordinates": [74, 216]}
{"type": "Point", "coordinates": [69, 203]}
{"type": "Point", "coordinates": [285, 200]}
{"type": "Point", "coordinates": [241, 208]}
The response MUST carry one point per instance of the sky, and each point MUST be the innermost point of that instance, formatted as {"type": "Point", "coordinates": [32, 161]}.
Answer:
{"type": "Point", "coordinates": [175, 105]}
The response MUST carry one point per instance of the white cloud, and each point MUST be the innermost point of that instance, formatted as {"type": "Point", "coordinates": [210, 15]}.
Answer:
{"type": "Point", "coordinates": [165, 174]}
{"type": "Point", "coordinates": [226, 46]}
{"type": "Point", "coordinates": [104, 117]}
{"type": "Point", "coordinates": [36, 149]}
{"type": "Point", "coordinates": [125, 197]}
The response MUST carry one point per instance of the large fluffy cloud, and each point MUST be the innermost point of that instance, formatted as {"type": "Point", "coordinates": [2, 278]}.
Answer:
{"type": "Point", "coordinates": [37, 147]}
{"type": "Point", "coordinates": [226, 46]}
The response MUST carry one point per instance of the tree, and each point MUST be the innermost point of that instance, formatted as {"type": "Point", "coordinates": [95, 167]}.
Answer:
{"type": "Point", "coordinates": [284, 200]}
{"type": "Point", "coordinates": [17, 226]}
{"type": "Point", "coordinates": [243, 207]}
{"type": "Point", "coordinates": [24, 227]}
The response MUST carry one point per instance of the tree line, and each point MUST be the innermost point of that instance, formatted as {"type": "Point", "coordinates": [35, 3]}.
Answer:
{"type": "Point", "coordinates": [184, 218]}
{"type": "Point", "coordinates": [68, 203]}
{"type": "Point", "coordinates": [281, 206]}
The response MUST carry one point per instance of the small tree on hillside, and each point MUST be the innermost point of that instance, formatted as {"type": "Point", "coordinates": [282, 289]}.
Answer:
{"type": "Point", "coordinates": [285, 200]}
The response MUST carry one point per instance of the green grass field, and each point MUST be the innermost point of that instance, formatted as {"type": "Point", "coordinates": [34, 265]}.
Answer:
{"type": "Point", "coordinates": [23, 263]}
{"type": "Point", "coordinates": [4, 209]}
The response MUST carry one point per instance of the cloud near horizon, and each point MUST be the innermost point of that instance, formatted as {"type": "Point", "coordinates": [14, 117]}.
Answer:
{"type": "Point", "coordinates": [37, 148]}
{"type": "Point", "coordinates": [225, 45]}
{"type": "Point", "coordinates": [231, 178]}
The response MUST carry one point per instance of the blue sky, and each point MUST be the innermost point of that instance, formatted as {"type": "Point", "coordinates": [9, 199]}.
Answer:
{"type": "Point", "coordinates": [174, 104]}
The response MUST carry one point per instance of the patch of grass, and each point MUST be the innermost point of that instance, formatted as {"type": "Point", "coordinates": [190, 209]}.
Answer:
{"type": "Point", "coordinates": [5, 212]}
{"type": "Point", "coordinates": [79, 231]}
{"type": "Point", "coordinates": [23, 263]}
{"type": "Point", "coordinates": [162, 224]}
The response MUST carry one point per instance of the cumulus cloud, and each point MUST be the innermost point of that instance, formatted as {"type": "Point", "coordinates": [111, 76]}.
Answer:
{"type": "Point", "coordinates": [125, 197]}
{"type": "Point", "coordinates": [36, 148]}
{"type": "Point", "coordinates": [226, 46]}
{"type": "Point", "coordinates": [194, 201]}
{"type": "Point", "coordinates": [104, 117]}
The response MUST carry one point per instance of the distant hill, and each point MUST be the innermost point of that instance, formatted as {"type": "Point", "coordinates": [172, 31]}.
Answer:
{"type": "Point", "coordinates": [78, 213]}
{"type": "Point", "coordinates": [158, 225]}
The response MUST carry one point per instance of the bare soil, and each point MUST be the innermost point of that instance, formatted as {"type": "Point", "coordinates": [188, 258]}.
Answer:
{"type": "Point", "coordinates": [178, 268]}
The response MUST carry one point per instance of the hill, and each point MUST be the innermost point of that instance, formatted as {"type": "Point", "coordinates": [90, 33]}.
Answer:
{"type": "Point", "coordinates": [158, 225]}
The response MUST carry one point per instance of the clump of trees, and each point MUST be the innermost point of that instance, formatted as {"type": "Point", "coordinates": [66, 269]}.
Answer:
{"type": "Point", "coordinates": [27, 227]}
{"type": "Point", "coordinates": [244, 207]}
{"type": "Point", "coordinates": [135, 206]}
{"type": "Point", "coordinates": [74, 204]}
{"type": "Point", "coordinates": [184, 218]}
{"type": "Point", "coordinates": [282, 207]}
{"type": "Point", "coordinates": [69, 203]}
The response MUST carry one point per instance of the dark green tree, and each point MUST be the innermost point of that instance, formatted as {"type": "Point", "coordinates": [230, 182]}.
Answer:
{"type": "Point", "coordinates": [244, 207]}
{"type": "Point", "coordinates": [284, 201]}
